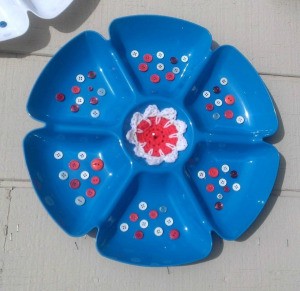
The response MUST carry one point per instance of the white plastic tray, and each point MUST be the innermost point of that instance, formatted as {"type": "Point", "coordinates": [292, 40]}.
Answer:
{"type": "Point", "coordinates": [14, 20]}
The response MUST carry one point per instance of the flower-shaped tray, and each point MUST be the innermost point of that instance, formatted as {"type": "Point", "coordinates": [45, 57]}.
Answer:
{"type": "Point", "coordinates": [152, 138]}
{"type": "Point", "coordinates": [14, 20]}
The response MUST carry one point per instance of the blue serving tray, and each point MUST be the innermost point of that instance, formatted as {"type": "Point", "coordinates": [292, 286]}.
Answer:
{"type": "Point", "coordinates": [152, 138]}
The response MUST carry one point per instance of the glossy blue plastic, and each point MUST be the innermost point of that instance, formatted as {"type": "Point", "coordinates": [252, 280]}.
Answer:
{"type": "Point", "coordinates": [217, 138]}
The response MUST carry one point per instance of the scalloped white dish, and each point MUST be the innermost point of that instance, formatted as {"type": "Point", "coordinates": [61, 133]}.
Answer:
{"type": "Point", "coordinates": [14, 19]}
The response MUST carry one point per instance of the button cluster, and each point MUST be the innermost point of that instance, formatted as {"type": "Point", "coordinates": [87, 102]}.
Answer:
{"type": "Point", "coordinates": [159, 66]}
{"type": "Point", "coordinates": [145, 222]}
{"type": "Point", "coordinates": [83, 94]}
{"type": "Point", "coordinates": [218, 182]}
{"type": "Point", "coordinates": [80, 174]}
{"type": "Point", "coordinates": [216, 99]}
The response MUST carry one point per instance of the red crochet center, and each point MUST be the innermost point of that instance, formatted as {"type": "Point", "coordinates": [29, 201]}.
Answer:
{"type": "Point", "coordinates": [155, 136]}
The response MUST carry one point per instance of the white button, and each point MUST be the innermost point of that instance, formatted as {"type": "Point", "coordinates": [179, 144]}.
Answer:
{"type": "Point", "coordinates": [160, 55]}
{"type": "Point", "coordinates": [63, 175]}
{"type": "Point", "coordinates": [201, 174]}
{"type": "Point", "coordinates": [218, 102]}
{"type": "Point", "coordinates": [124, 227]}
{"type": "Point", "coordinates": [206, 94]}
{"type": "Point", "coordinates": [184, 59]}
{"type": "Point", "coordinates": [216, 116]}
{"type": "Point", "coordinates": [223, 81]}
{"type": "Point", "coordinates": [144, 223]}
{"type": "Point", "coordinates": [80, 78]}
{"type": "Point", "coordinates": [220, 196]}
{"type": "Point", "coordinates": [84, 175]}
{"type": "Point", "coordinates": [225, 168]}
{"type": "Point", "coordinates": [101, 92]}
{"type": "Point", "coordinates": [236, 186]}
{"type": "Point", "coordinates": [79, 100]}
{"type": "Point", "coordinates": [58, 155]}
{"type": "Point", "coordinates": [240, 119]}
{"type": "Point", "coordinates": [176, 70]}
{"type": "Point", "coordinates": [134, 53]}
{"type": "Point", "coordinates": [95, 113]}
{"type": "Point", "coordinates": [143, 205]}
{"type": "Point", "coordinates": [169, 221]}
{"type": "Point", "coordinates": [163, 209]}
{"type": "Point", "coordinates": [160, 66]}
{"type": "Point", "coordinates": [158, 231]}
{"type": "Point", "coordinates": [222, 182]}
{"type": "Point", "coordinates": [79, 200]}
{"type": "Point", "coordinates": [82, 155]}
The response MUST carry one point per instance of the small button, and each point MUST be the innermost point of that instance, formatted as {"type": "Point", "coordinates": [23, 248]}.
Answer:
{"type": "Point", "coordinates": [226, 189]}
{"type": "Point", "coordinates": [234, 174]}
{"type": "Point", "coordinates": [220, 196]}
{"type": "Point", "coordinates": [79, 100]}
{"type": "Point", "coordinates": [216, 89]}
{"type": "Point", "coordinates": [94, 100]}
{"type": "Point", "coordinates": [210, 188]}
{"type": "Point", "coordinates": [209, 107]}
{"type": "Point", "coordinates": [206, 94]}
{"type": "Point", "coordinates": [154, 78]}
{"type": "Point", "coordinates": [216, 116]}
{"type": "Point", "coordinates": [219, 206]}
{"type": "Point", "coordinates": [138, 234]}
{"type": "Point", "coordinates": [225, 168]}
{"type": "Point", "coordinates": [74, 165]}
{"type": "Point", "coordinates": [81, 155]}
{"type": "Point", "coordinates": [58, 155]}
{"type": "Point", "coordinates": [75, 89]}
{"type": "Point", "coordinates": [91, 74]}
{"type": "Point", "coordinates": [222, 182]}
{"type": "Point", "coordinates": [63, 175]}
{"type": "Point", "coordinates": [153, 214]}
{"type": "Point", "coordinates": [163, 209]}
{"type": "Point", "coordinates": [236, 186]}
{"type": "Point", "coordinates": [134, 53]}
{"type": "Point", "coordinates": [84, 175]}
{"type": "Point", "coordinates": [79, 200]}
{"type": "Point", "coordinates": [75, 184]}
{"type": "Point", "coordinates": [173, 60]}
{"type": "Point", "coordinates": [147, 58]}
{"type": "Point", "coordinates": [240, 119]}
{"type": "Point", "coordinates": [133, 217]}
{"type": "Point", "coordinates": [158, 231]}
{"type": "Point", "coordinates": [160, 55]}
{"type": "Point", "coordinates": [95, 113]}
{"type": "Point", "coordinates": [170, 76]}
{"type": "Point", "coordinates": [223, 81]}
{"type": "Point", "coordinates": [95, 180]}
{"type": "Point", "coordinates": [174, 234]}
{"type": "Point", "coordinates": [201, 174]}
{"type": "Point", "coordinates": [228, 114]}
{"type": "Point", "coordinates": [60, 97]}
{"type": "Point", "coordinates": [143, 67]}
{"type": "Point", "coordinates": [169, 221]}
{"type": "Point", "coordinates": [80, 78]}
{"type": "Point", "coordinates": [124, 227]}
{"type": "Point", "coordinates": [3, 24]}
{"type": "Point", "coordinates": [176, 70]}
{"type": "Point", "coordinates": [218, 102]}
{"type": "Point", "coordinates": [213, 172]}
{"type": "Point", "coordinates": [90, 88]}
{"type": "Point", "coordinates": [160, 66]}
{"type": "Point", "coordinates": [74, 108]}
{"type": "Point", "coordinates": [143, 205]}
{"type": "Point", "coordinates": [229, 99]}
{"type": "Point", "coordinates": [144, 223]}
{"type": "Point", "coordinates": [97, 164]}
{"type": "Point", "coordinates": [90, 192]}
{"type": "Point", "coordinates": [101, 92]}
{"type": "Point", "coordinates": [184, 59]}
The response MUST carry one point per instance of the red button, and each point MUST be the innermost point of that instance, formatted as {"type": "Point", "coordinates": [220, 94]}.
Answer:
{"type": "Point", "coordinates": [90, 192]}
{"type": "Point", "coordinates": [143, 67]}
{"type": "Point", "coordinates": [75, 89]}
{"type": "Point", "coordinates": [229, 99]}
{"type": "Point", "coordinates": [219, 206]}
{"type": "Point", "coordinates": [216, 89]}
{"type": "Point", "coordinates": [90, 88]}
{"type": "Point", "coordinates": [60, 97]}
{"type": "Point", "coordinates": [154, 78]}
{"type": "Point", "coordinates": [75, 184]}
{"type": "Point", "coordinates": [74, 108]}
{"type": "Point", "coordinates": [209, 107]}
{"type": "Point", "coordinates": [170, 76]}
{"type": "Point", "coordinates": [94, 101]}
{"type": "Point", "coordinates": [97, 164]}
{"type": "Point", "coordinates": [91, 74]}
{"type": "Point", "coordinates": [228, 114]}
{"type": "Point", "coordinates": [174, 234]}
{"type": "Point", "coordinates": [153, 214]}
{"type": "Point", "coordinates": [148, 58]}
{"type": "Point", "coordinates": [173, 60]}
{"type": "Point", "coordinates": [213, 172]}
{"type": "Point", "coordinates": [74, 165]}
{"type": "Point", "coordinates": [210, 187]}
{"type": "Point", "coordinates": [139, 234]}
{"type": "Point", "coordinates": [226, 189]}
{"type": "Point", "coordinates": [133, 217]}
{"type": "Point", "coordinates": [95, 180]}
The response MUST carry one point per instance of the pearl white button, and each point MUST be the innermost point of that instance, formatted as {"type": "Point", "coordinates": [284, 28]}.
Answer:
{"type": "Point", "coordinates": [84, 175]}
{"type": "Point", "coordinates": [82, 155]}
{"type": "Point", "coordinates": [236, 186]}
{"type": "Point", "coordinates": [58, 155]}
{"type": "Point", "coordinates": [240, 119]}
{"type": "Point", "coordinates": [63, 175]}
{"type": "Point", "coordinates": [219, 196]}
{"type": "Point", "coordinates": [80, 78]}
{"type": "Point", "coordinates": [160, 55]}
{"type": "Point", "coordinates": [101, 92]}
{"type": "Point", "coordinates": [95, 113]}
{"type": "Point", "coordinates": [222, 182]}
{"type": "Point", "coordinates": [223, 81]}
{"type": "Point", "coordinates": [176, 70]}
{"type": "Point", "coordinates": [158, 231]}
{"type": "Point", "coordinates": [184, 59]}
{"type": "Point", "coordinates": [206, 94]}
{"type": "Point", "coordinates": [143, 205]}
{"type": "Point", "coordinates": [218, 102]}
{"type": "Point", "coordinates": [143, 223]}
{"type": "Point", "coordinates": [201, 174]}
{"type": "Point", "coordinates": [124, 227]}
{"type": "Point", "coordinates": [79, 100]}
{"type": "Point", "coordinates": [79, 200]}
{"type": "Point", "coordinates": [160, 66]}
{"type": "Point", "coordinates": [225, 168]}
{"type": "Point", "coordinates": [134, 53]}
{"type": "Point", "coordinates": [169, 221]}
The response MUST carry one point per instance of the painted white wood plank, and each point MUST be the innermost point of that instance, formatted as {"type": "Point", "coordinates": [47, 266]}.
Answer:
{"type": "Point", "coordinates": [41, 257]}
{"type": "Point", "coordinates": [5, 199]}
